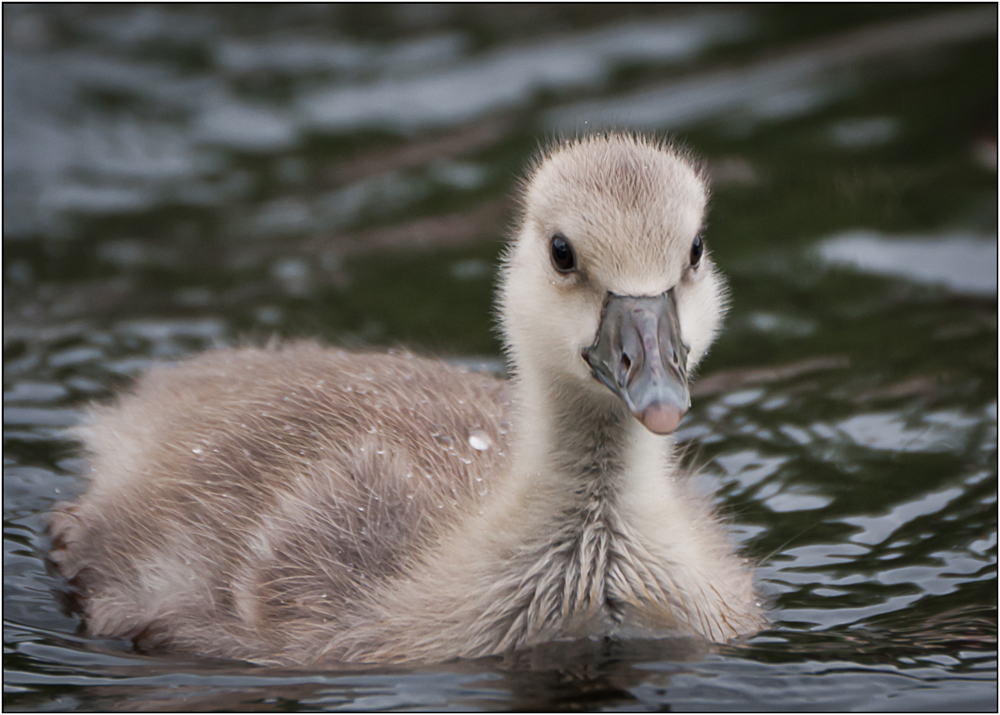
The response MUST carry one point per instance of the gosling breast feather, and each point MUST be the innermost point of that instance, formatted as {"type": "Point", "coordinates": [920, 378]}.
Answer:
{"type": "Point", "coordinates": [305, 505]}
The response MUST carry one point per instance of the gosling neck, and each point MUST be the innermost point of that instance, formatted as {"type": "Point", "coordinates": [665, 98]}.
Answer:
{"type": "Point", "coordinates": [579, 441]}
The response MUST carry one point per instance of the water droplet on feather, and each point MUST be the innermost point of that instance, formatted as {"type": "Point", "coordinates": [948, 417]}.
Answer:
{"type": "Point", "coordinates": [479, 440]}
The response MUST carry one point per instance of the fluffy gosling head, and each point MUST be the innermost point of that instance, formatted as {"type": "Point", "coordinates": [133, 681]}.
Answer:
{"type": "Point", "coordinates": [607, 285]}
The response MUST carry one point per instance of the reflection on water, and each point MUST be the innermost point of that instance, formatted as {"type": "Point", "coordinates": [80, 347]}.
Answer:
{"type": "Point", "coordinates": [963, 263]}
{"type": "Point", "coordinates": [510, 76]}
{"type": "Point", "coordinates": [793, 85]}
{"type": "Point", "coordinates": [183, 177]}
{"type": "Point", "coordinates": [102, 161]}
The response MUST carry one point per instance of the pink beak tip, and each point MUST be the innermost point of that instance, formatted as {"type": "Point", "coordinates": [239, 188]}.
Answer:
{"type": "Point", "coordinates": [661, 418]}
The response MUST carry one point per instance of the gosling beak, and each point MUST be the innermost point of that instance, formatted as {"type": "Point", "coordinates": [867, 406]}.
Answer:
{"type": "Point", "coordinates": [638, 354]}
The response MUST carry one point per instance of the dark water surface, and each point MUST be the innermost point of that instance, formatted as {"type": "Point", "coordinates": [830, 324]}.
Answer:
{"type": "Point", "coordinates": [180, 177]}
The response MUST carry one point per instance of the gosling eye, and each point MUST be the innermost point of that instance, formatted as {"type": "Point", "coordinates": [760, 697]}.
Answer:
{"type": "Point", "coordinates": [563, 258]}
{"type": "Point", "coordinates": [697, 248]}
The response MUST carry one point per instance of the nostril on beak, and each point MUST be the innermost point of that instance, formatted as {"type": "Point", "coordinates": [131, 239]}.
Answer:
{"type": "Point", "coordinates": [624, 370]}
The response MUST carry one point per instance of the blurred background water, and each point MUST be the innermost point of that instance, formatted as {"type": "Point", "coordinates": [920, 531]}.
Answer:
{"type": "Point", "coordinates": [178, 177]}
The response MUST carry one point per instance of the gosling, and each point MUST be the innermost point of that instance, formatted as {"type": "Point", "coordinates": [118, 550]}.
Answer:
{"type": "Point", "coordinates": [305, 506]}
